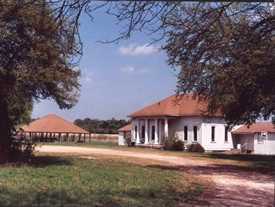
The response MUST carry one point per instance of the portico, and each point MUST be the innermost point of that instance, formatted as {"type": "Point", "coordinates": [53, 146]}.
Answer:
{"type": "Point", "coordinates": [149, 130]}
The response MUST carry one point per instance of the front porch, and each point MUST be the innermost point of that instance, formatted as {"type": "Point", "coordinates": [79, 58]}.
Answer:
{"type": "Point", "coordinates": [150, 132]}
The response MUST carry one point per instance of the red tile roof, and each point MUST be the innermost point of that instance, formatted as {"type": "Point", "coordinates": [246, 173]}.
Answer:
{"type": "Point", "coordinates": [53, 124]}
{"type": "Point", "coordinates": [183, 105]}
{"type": "Point", "coordinates": [255, 128]}
{"type": "Point", "coordinates": [126, 128]}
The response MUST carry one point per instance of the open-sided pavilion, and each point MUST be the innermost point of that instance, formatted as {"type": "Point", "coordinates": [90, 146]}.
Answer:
{"type": "Point", "coordinates": [54, 128]}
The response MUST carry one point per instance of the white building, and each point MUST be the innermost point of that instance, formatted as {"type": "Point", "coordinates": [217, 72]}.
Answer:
{"type": "Point", "coordinates": [258, 138]}
{"type": "Point", "coordinates": [123, 134]}
{"type": "Point", "coordinates": [186, 118]}
{"type": "Point", "coordinates": [183, 117]}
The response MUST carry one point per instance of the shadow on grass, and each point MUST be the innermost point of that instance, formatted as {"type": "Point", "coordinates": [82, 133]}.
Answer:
{"type": "Point", "coordinates": [243, 157]}
{"type": "Point", "coordinates": [44, 161]}
{"type": "Point", "coordinates": [259, 163]}
{"type": "Point", "coordinates": [39, 161]}
{"type": "Point", "coordinates": [246, 172]}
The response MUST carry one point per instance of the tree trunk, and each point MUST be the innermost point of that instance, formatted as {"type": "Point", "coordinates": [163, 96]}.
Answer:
{"type": "Point", "coordinates": [5, 134]}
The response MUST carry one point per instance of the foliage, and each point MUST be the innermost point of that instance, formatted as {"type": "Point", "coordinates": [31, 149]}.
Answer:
{"type": "Point", "coordinates": [173, 144]}
{"type": "Point", "coordinates": [61, 181]}
{"type": "Point", "coordinates": [229, 61]}
{"type": "Point", "coordinates": [37, 62]}
{"type": "Point", "coordinates": [22, 150]}
{"type": "Point", "coordinates": [195, 147]}
{"type": "Point", "coordinates": [101, 126]}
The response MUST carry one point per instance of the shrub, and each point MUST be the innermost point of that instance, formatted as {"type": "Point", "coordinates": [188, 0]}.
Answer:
{"type": "Point", "coordinates": [195, 147]}
{"type": "Point", "coordinates": [128, 141]}
{"type": "Point", "coordinates": [21, 149]}
{"type": "Point", "coordinates": [174, 144]}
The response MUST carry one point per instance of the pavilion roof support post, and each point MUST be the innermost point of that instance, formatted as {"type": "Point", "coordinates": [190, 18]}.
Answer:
{"type": "Point", "coordinates": [90, 138]}
{"type": "Point", "coordinates": [84, 138]}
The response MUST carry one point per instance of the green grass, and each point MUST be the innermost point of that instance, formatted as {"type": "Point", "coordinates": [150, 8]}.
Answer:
{"type": "Point", "coordinates": [68, 181]}
{"type": "Point", "coordinates": [93, 143]}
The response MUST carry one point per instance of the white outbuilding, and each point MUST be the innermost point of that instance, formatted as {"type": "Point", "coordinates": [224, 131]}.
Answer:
{"type": "Point", "coordinates": [258, 138]}
{"type": "Point", "coordinates": [124, 133]}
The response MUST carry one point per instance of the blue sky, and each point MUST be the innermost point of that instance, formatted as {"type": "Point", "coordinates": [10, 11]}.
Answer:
{"type": "Point", "coordinates": [117, 79]}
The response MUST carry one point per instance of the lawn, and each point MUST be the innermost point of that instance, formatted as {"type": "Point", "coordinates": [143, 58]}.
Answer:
{"type": "Point", "coordinates": [93, 143]}
{"type": "Point", "coordinates": [69, 181]}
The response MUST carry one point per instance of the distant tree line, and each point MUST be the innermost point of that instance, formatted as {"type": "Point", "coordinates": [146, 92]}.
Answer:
{"type": "Point", "coordinates": [110, 126]}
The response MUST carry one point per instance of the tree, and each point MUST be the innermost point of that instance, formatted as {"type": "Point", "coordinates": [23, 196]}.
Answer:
{"type": "Point", "coordinates": [101, 126]}
{"type": "Point", "coordinates": [226, 56]}
{"type": "Point", "coordinates": [37, 62]}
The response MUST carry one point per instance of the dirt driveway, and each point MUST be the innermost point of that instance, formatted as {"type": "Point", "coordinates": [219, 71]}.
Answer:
{"type": "Point", "coordinates": [234, 186]}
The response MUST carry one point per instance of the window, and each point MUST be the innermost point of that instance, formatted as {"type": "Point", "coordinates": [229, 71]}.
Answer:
{"type": "Point", "coordinates": [226, 133]}
{"type": "Point", "coordinates": [135, 131]}
{"type": "Point", "coordinates": [153, 132]}
{"type": "Point", "coordinates": [185, 133]}
{"type": "Point", "coordinates": [195, 131]}
{"type": "Point", "coordinates": [212, 134]}
{"type": "Point", "coordinates": [143, 132]}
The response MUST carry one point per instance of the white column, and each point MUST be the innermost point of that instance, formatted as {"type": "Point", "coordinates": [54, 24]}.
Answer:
{"type": "Point", "coordinates": [138, 138]}
{"type": "Point", "coordinates": [166, 128]}
{"type": "Point", "coordinates": [156, 132]}
{"type": "Point", "coordinates": [160, 131]}
{"type": "Point", "coordinates": [146, 132]}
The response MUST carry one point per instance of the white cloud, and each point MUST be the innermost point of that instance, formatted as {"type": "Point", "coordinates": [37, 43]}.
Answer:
{"type": "Point", "coordinates": [86, 76]}
{"type": "Point", "coordinates": [128, 69]}
{"type": "Point", "coordinates": [87, 79]}
{"type": "Point", "coordinates": [136, 50]}
{"type": "Point", "coordinates": [134, 70]}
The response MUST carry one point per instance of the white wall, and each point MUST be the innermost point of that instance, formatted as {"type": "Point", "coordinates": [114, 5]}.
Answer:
{"type": "Point", "coordinates": [219, 143]}
{"type": "Point", "coordinates": [267, 146]}
{"type": "Point", "coordinates": [176, 128]}
{"type": "Point", "coordinates": [121, 140]}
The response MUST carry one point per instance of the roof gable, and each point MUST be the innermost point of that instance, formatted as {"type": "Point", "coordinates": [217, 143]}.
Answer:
{"type": "Point", "coordinates": [255, 128]}
{"type": "Point", "coordinates": [125, 128]}
{"type": "Point", "coordinates": [182, 105]}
